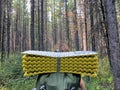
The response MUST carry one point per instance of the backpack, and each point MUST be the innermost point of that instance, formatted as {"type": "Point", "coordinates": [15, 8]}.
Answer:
{"type": "Point", "coordinates": [58, 81]}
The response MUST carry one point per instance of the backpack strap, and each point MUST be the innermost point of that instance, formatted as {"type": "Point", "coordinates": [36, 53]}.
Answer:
{"type": "Point", "coordinates": [39, 75]}
{"type": "Point", "coordinates": [42, 85]}
{"type": "Point", "coordinates": [78, 77]}
{"type": "Point", "coordinates": [58, 64]}
{"type": "Point", "coordinates": [76, 84]}
{"type": "Point", "coordinates": [58, 61]}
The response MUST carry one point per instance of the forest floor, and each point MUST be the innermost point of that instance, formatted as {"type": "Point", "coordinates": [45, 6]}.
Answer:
{"type": "Point", "coordinates": [11, 76]}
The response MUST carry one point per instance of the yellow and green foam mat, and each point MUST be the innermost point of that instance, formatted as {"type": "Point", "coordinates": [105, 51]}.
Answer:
{"type": "Point", "coordinates": [78, 62]}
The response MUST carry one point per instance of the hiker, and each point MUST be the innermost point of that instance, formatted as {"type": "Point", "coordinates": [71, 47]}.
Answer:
{"type": "Point", "coordinates": [64, 48]}
{"type": "Point", "coordinates": [59, 80]}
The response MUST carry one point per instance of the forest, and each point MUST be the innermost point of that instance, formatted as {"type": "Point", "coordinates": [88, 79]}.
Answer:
{"type": "Point", "coordinates": [84, 25]}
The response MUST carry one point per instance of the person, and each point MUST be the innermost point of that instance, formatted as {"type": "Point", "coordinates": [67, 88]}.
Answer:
{"type": "Point", "coordinates": [58, 80]}
{"type": "Point", "coordinates": [64, 48]}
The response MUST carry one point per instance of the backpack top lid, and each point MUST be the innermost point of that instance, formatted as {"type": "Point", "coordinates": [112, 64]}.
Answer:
{"type": "Point", "coordinates": [78, 62]}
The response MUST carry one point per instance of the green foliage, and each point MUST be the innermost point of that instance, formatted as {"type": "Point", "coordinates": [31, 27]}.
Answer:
{"type": "Point", "coordinates": [11, 76]}
{"type": "Point", "coordinates": [104, 80]}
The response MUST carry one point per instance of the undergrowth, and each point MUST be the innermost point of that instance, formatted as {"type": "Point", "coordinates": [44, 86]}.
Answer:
{"type": "Point", "coordinates": [104, 80]}
{"type": "Point", "coordinates": [11, 76]}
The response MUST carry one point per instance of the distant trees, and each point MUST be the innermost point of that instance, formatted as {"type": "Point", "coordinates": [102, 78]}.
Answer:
{"type": "Point", "coordinates": [12, 20]}
{"type": "Point", "coordinates": [82, 24]}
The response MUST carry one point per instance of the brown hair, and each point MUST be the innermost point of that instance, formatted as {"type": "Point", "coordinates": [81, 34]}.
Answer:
{"type": "Point", "coordinates": [63, 47]}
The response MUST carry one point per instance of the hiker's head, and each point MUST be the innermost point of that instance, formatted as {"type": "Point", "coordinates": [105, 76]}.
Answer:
{"type": "Point", "coordinates": [62, 47]}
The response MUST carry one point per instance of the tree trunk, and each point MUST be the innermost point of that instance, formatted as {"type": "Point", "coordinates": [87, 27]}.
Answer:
{"type": "Point", "coordinates": [8, 26]}
{"type": "Point", "coordinates": [32, 24]}
{"type": "Point", "coordinates": [54, 21]}
{"type": "Point", "coordinates": [45, 26]}
{"type": "Point", "coordinates": [85, 26]}
{"type": "Point", "coordinates": [61, 24]}
{"type": "Point", "coordinates": [67, 24]}
{"type": "Point", "coordinates": [16, 31]}
{"type": "Point", "coordinates": [0, 23]}
{"type": "Point", "coordinates": [3, 34]}
{"type": "Point", "coordinates": [24, 35]}
{"type": "Point", "coordinates": [92, 26]}
{"type": "Point", "coordinates": [12, 37]}
{"type": "Point", "coordinates": [76, 27]}
{"type": "Point", "coordinates": [39, 23]}
{"type": "Point", "coordinates": [42, 26]}
{"type": "Point", "coordinates": [113, 41]}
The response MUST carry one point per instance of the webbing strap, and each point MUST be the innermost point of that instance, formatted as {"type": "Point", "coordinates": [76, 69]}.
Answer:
{"type": "Point", "coordinates": [58, 64]}
{"type": "Point", "coordinates": [58, 61]}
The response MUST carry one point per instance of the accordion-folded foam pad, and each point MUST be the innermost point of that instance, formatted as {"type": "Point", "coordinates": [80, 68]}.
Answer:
{"type": "Point", "coordinates": [86, 64]}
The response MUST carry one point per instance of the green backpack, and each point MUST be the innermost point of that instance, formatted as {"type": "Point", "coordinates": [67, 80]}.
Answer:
{"type": "Point", "coordinates": [58, 81]}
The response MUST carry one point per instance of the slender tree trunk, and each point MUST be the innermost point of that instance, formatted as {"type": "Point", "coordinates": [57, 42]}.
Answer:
{"type": "Point", "coordinates": [76, 27]}
{"type": "Point", "coordinates": [8, 26]}
{"type": "Point", "coordinates": [54, 33]}
{"type": "Point", "coordinates": [103, 26]}
{"type": "Point", "coordinates": [85, 26]}
{"type": "Point", "coordinates": [3, 34]}
{"type": "Point", "coordinates": [55, 25]}
{"type": "Point", "coordinates": [67, 24]}
{"type": "Point", "coordinates": [24, 35]}
{"type": "Point", "coordinates": [32, 24]}
{"type": "Point", "coordinates": [0, 23]}
{"type": "Point", "coordinates": [16, 32]}
{"type": "Point", "coordinates": [92, 26]}
{"type": "Point", "coordinates": [113, 41]}
{"type": "Point", "coordinates": [45, 26]}
{"type": "Point", "coordinates": [12, 36]}
{"type": "Point", "coordinates": [42, 26]}
{"type": "Point", "coordinates": [61, 36]}
{"type": "Point", "coordinates": [81, 24]}
{"type": "Point", "coordinates": [39, 23]}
